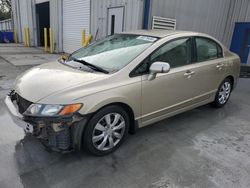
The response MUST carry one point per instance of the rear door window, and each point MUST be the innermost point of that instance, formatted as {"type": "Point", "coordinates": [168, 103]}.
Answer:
{"type": "Point", "coordinates": [207, 49]}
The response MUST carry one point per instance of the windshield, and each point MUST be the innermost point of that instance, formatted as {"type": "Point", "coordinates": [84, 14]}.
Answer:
{"type": "Point", "coordinates": [113, 52]}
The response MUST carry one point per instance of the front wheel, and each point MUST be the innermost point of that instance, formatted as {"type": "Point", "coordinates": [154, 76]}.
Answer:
{"type": "Point", "coordinates": [223, 93]}
{"type": "Point", "coordinates": [106, 130]}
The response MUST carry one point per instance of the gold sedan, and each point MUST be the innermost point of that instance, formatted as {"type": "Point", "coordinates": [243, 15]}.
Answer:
{"type": "Point", "coordinates": [102, 92]}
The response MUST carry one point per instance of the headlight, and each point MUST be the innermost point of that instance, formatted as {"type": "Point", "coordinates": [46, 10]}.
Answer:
{"type": "Point", "coordinates": [52, 109]}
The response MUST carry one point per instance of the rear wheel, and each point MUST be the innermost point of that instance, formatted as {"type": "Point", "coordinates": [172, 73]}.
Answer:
{"type": "Point", "coordinates": [106, 130]}
{"type": "Point", "coordinates": [223, 93]}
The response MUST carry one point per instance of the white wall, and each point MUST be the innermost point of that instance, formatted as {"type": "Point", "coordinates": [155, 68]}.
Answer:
{"type": "Point", "coordinates": [23, 16]}
{"type": "Point", "coordinates": [215, 17]}
{"type": "Point", "coordinates": [56, 17]}
{"type": "Point", "coordinates": [133, 14]}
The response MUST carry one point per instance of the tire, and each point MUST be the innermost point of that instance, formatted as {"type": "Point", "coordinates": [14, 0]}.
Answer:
{"type": "Point", "coordinates": [223, 93]}
{"type": "Point", "coordinates": [106, 130]}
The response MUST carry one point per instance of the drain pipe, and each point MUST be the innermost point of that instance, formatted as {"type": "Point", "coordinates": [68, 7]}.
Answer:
{"type": "Point", "coordinates": [146, 14]}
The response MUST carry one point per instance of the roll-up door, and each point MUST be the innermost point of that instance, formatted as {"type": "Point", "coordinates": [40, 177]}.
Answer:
{"type": "Point", "coordinates": [76, 17]}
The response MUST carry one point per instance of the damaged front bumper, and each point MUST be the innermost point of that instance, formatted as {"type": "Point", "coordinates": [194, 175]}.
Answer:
{"type": "Point", "coordinates": [17, 117]}
{"type": "Point", "coordinates": [61, 134]}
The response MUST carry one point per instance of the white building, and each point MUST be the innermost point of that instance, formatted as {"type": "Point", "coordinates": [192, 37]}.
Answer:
{"type": "Point", "coordinates": [68, 18]}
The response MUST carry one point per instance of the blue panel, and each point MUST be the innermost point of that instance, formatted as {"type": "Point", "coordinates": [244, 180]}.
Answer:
{"type": "Point", "coordinates": [6, 37]}
{"type": "Point", "coordinates": [146, 14]}
{"type": "Point", "coordinates": [241, 40]}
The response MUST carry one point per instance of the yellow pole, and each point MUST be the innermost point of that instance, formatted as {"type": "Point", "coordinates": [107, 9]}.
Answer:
{"type": "Point", "coordinates": [45, 40]}
{"type": "Point", "coordinates": [15, 36]}
{"type": "Point", "coordinates": [28, 36]}
{"type": "Point", "coordinates": [51, 40]}
{"type": "Point", "coordinates": [83, 38]}
{"type": "Point", "coordinates": [88, 40]}
{"type": "Point", "coordinates": [25, 41]}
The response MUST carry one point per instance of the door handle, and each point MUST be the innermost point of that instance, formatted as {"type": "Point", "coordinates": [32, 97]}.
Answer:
{"type": "Point", "coordinates": [189, 74]}
{"type": "Point", "coordinates": [219, 66]}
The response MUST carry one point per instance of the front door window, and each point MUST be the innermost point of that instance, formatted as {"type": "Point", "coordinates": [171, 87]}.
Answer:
{"type": "Point", "coordinates": [177, 53]}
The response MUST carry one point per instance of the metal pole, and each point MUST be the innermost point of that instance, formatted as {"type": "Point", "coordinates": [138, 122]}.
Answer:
{"type": "Point", "coordinates": [83, 38]}
{"type": "Point", "coordinates": [51, 40]}
{"type": "Point", "coordinates": [25, 39]}
{"type": "Point", "coordinates": [88, 40]}
{"type": "Point", "coordinates": [28, 37]}
{"type": "Point", "coordinates": [45, 40]}
{"type": "Point", "coordinates": [15, 36]}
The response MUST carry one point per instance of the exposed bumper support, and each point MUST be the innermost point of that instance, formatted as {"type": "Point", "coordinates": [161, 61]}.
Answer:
{"type": "Point", "coordinates": [60, 134]}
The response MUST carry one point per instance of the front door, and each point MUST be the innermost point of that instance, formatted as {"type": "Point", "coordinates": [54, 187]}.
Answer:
{"type": "Point", "coordinates": [171, 91]}
{"type": "Point", "coordinates": [115, 20]}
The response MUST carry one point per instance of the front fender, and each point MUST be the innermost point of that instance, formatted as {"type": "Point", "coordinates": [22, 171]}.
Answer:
{"type": "Point", "coordinates": [77, 132]}
{"type": "Point", "coordinates": [129, 95]}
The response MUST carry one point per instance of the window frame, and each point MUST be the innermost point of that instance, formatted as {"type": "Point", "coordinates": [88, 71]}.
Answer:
{"type": "Point", "coordinates": [218, 46]}
{"type": "Point", "coordinates": [193, 55]}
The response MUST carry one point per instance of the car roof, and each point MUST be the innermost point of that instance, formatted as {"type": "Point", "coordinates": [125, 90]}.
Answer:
{"type": "Point", "coordinates": [159, 33]}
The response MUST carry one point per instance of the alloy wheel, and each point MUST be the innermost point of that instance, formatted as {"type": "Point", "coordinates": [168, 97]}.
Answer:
{"type": "Point", "coordinates": [108, 132]}
{"type": "Point", "coordinates": [224, 92]}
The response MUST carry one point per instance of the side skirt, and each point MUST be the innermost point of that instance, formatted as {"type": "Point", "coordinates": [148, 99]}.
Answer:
{"type": "Point", "coordinates": [159, 118]}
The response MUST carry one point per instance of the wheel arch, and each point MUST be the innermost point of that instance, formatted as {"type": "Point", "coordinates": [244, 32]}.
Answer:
{"type": "Point", "coordinates": [232, 80]}
{"type": "Point", "coordinates": [128, 109]}
{"type": "Point", "coordinates": [80, 127]}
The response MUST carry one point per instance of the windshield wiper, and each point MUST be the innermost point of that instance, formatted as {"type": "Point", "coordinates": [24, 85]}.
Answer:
{"type": "Point", "coordinates": [94, 67]}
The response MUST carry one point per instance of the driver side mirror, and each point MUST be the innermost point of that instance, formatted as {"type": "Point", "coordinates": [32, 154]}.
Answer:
{"type": "Point", "coordinates": [158, 67]}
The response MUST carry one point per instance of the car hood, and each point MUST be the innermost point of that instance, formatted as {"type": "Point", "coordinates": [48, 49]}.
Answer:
{"type": "Point", "coordinates": [47, 79]}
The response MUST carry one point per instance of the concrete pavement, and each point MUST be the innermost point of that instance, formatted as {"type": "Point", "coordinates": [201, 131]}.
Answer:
{"type": "Point", "coordinates": [19, 55]}
{"type": "Point", "coordinates": [204, 147]}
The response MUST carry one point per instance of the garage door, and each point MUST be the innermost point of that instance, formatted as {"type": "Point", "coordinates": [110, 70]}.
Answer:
{"type": "Point", "coordinates": [76, 17]}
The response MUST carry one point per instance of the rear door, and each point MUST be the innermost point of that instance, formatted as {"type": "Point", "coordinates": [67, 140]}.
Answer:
{"type": "Point", "coordinates": [209, 68]}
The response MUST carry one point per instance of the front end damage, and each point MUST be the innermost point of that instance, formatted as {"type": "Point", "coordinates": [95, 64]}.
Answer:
{"type": "Point", "coordinates": [61, 133]}
{"type": "Point", "coordinates": [56, 133]}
